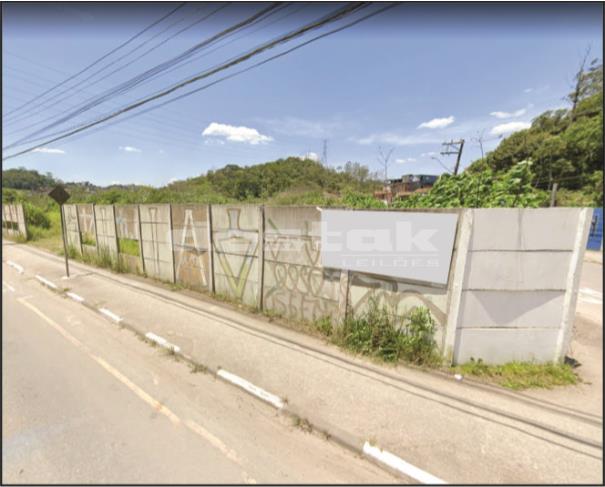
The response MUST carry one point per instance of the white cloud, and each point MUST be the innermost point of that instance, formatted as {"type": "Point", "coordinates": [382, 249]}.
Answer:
{"type": "Point", "coordinates": [528, 90]}
{"type": "Point", "coordinates": [172, 180]}
{"type": "Point", "coordinates": [47, 150]}
{"type": "Point", "coordinates": [405, 160]}
{"type": "Point", "coordinates": [311, 155]}
{"type": "Point", "coordinates": [514, 114]}
{"type": "Point", "coordinates": [129, 148]}
{"type": "Point", "coordinates": [236, 134]}
{"type": "Point", "coordinates": [506, 128]}
{"type": "Point", "coordinates": [437, 123]}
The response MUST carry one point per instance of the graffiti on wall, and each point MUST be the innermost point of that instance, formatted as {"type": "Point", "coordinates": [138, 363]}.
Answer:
{"type": "Point", "coordinates": [86, 221]}
{"type": "Point", "coordinates": [190, 242]}
{"type": "Point", "coordinates": [396, 295]}
{"type": "Point", "coordinates": [235, 253]}
{"type": "Point", "coordinates": [295, 283]}
{"type": "Point", "coordinates": [105, 225]}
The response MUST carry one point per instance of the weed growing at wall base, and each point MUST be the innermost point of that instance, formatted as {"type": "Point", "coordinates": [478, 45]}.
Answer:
{"type": "Point", "coordinates": [520, 375]}
{"type": "Point", "coordinates": [377, 332]}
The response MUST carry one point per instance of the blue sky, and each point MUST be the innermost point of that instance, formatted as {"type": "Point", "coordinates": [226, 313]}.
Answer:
{"type": "Point", "coordinates": [408, 79]}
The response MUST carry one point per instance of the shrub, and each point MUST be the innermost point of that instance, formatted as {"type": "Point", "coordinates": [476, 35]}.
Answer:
{"type": "Point", "coordinates": [377, 332]}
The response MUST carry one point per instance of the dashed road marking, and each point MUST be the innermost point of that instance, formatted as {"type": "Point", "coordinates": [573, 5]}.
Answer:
{"type": "Point", "coordinates": [110, 315]}
{"type": "Point", "coordinates": [143, 395]}
{"type": "Point", "coordinates": [46, 282]}
{"type": "Point", "coordinates": [400, 465]}
{"type": "Point", "coordinates": [162, 342]}
{"type": "Point", "coordinates": [251, 388]}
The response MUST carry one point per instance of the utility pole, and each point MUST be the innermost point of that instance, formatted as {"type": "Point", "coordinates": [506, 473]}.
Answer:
{"type": "Point", "coordinates": [383, 160]}
{"type": "Point", "coordinates": [553, 195]}
{"type": "Point", "coordinates": [458, 145]}
{"type": "Point", "coordinates": [324, 155]}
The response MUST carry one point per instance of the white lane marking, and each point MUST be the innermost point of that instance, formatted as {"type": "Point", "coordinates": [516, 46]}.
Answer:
{"type": "Point", "coordinates": [162, 342]}
{"type": "Point", "coordinates": [154, 403]}
{"type": "Point", "coordinates": [219, 445]}
{"type": "Point", "coordinates": [8, 286]}
{"type": "Point", "coordinates": [158, 406]}
{"type": "Point", "coordinates": [110, 315]}
{"type": "Point", "coordinates": [400, 465]}
{"type": "Point", "coordinates": [46, 282]}
{"type": "Point", "coordinates": [75, 297]}
{"type": "Point", "coordinates": [16, 266]}
{"type": "Point", "coordinates": [257, 391]}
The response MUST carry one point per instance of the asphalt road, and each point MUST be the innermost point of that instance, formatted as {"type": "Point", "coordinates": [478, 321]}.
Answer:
{"type": "Point", "coordinates": [85, 401]}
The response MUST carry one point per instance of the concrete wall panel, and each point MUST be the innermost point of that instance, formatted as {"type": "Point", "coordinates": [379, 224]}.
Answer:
{"type": "Point", "coordinates": [511, 309]}
{"type": "Point", "coordinates": [86, 221]}
{"type": "Point", "coordinates": [524, 228]}
{"type": "Point", "coordinates": [191, 245]}
{"type": "Point", "coordinates": [106, 230]}
{"type": "Point", "coordinates": [399, 296]}
{"type": "Point", "coordinates": [517, 271]}
{"type": "Point", "coordinates": [501, 345]}
{"type": "Point", "coordinates": [157, 241]}
{"type": "Point", "coordinates": [127, 221]}
{"type": "Point", "coordinates": [71, 227]}
{"type": "Point", "coordinates": [235, 240]}
{"type": "Point", "coordinates": [295, 284]}
{"type": "Point", "coordinates": [13, 220]}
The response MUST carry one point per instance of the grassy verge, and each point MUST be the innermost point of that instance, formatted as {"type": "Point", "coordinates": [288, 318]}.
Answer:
{"type": "Point", "coordinates": [520, 375]}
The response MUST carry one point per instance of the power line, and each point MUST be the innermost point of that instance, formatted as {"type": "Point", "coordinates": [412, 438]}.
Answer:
{"type": "Point", "coordinates": [336, 15]}
{"type": "Point", "coordinates": [94, 63]}
{"type": "Point", "coordinates": [133, 82]}
{"type": "Point", "coordinates": [71, 91]}
{"type": "Point", "coordinates": [142, 102]}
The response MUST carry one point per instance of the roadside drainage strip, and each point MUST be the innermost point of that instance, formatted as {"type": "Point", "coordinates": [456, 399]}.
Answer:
{"type": "Point", "coordinates": [15, 266]}
{"type": "Point", "coordinates": [162, 342]}
{"type": "Point", "coordinates": [46, 282]}
{"type": "Point", "coordinates": [383, 458]}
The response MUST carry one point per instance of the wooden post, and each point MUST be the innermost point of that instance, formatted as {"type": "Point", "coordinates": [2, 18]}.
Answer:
{"type": "Point", "coordinates": [211, 287]}
{"type": "Point", "coordinates": [261, 255]}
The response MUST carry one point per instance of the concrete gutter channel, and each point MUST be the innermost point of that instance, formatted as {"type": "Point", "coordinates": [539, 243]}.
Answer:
{"type": "Point", "coordinates": [359, 446]}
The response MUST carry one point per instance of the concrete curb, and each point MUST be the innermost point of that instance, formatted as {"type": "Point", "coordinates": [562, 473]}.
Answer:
{"type": "Point", "coordinates": [363, 448]}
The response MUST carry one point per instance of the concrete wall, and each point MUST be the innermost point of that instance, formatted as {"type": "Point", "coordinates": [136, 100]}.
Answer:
{"type": "Point", "coordinates": [106, 229]}
{"type": "Point", "coordinates": [235, 238]}
{"type": "Point", "coordinates": [13, 220]}
{"type": "Point", "coordinates": [127, 226]}
{"type": "Point", "coordinates": [511, 292]}
{"type": "Point", "coordinates": [72, 227]}
{"type": "Point", "coordinates": [88, 232]}
{"type": "Point", "coordinates": [295, 284]}
{"type": "Point", "coordinates": [157, 241]}
{"type": "Point", "coordinates": [520, 284]}
{"type": "Point", "coordinates": [191, 245]}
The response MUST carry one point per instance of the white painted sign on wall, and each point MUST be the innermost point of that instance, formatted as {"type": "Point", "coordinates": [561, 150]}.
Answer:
{"type": "Point", "coordinates": [405, 245]}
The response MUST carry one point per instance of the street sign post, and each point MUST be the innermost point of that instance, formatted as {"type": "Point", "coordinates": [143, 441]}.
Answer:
{"type": "Point", "coordinates": [61, 196]}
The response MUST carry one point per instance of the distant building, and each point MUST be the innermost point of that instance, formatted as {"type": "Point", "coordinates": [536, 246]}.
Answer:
{"type": "Point", "coordinates": [405, 186]}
